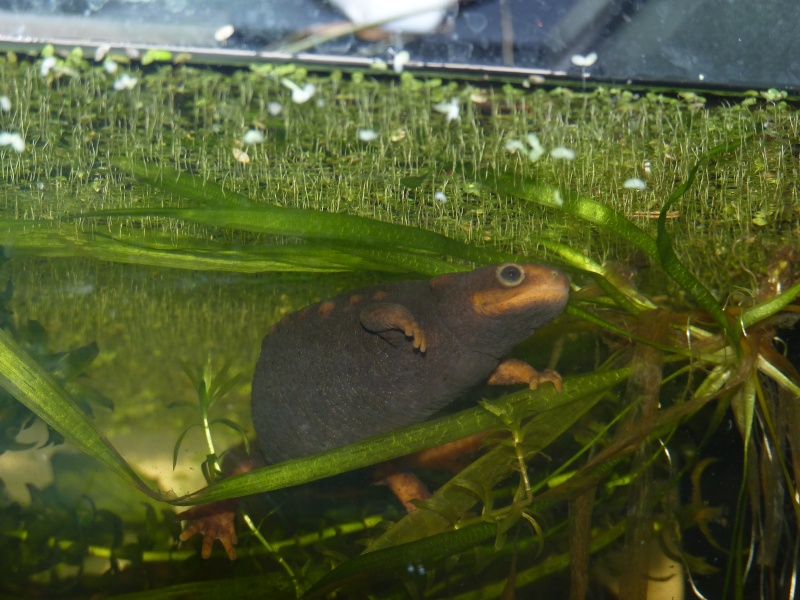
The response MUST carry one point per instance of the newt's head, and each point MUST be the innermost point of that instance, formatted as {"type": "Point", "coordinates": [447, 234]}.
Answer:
{"type": "Point", "coordinates": [511, 288]}
{"type": "Point", "coordinates": [501, 305]}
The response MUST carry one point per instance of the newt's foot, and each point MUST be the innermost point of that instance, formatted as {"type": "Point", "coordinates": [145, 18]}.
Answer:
{"type": "Point", "coordinates": [512, 371]}
{"type": "Point", "coordinates": [453, 456]}
{"type": "Point", "coordinates": [215, 521]}
{"type": "Point", "coordinates": [405, 486]}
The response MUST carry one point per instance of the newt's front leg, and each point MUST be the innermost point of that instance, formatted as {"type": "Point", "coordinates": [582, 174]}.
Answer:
{"type": "Point", "coordinates": [386, 316]}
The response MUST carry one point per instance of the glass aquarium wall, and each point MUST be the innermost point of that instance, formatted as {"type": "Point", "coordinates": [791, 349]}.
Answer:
{"type": "Point", "coordinates": [719, 44]}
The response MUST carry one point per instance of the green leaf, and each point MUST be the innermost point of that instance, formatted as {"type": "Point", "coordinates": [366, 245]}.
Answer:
{"type": "Point", "coordinates": [177, 449]}
{"type": "Point", "coordinates": [369, 234]}
{"type": "Point", "coordinates": [237, 428]}
{"type": "Point", "coordinates": [75, 362]}
{"type": "Point", "coordinates": [770, 307]}
{"type": "Point", "coordinates": [673, 266]}
{"type": "Point", "coordinates": [183, 184]}
{"type": "Point", "coordinates": [572, 204]}
{"type": "Point", "coordinates": [233, 211]}
{"type": "Point", "coordinates": [396, 559]}
{"type": "Point", "coordinates": [274, 585]}
{"type": "Point", "coordinates": [576, 311]}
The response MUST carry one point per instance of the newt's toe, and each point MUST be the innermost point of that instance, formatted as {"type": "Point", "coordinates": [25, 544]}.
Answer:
{"type": "Point", "coordinates": [547, 375]}
{"type": "Point", "coordinates": [420, 341]}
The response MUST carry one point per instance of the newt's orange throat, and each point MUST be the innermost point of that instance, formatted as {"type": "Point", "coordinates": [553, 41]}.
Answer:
{"type": "Point", "coordinates": [518, 287]}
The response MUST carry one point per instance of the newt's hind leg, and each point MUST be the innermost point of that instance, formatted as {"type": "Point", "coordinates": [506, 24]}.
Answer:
{"type": "Point", "coordinates": [511, 371]}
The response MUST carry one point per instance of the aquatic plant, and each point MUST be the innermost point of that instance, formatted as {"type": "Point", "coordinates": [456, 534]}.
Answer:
{"type": "Point", "coordinates": [708, 356]}
{"type": "Point", "coordinates": [618, 462]}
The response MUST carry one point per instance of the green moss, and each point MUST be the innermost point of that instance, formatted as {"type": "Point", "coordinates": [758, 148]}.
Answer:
{"type": "Point", "coordinates": [76, 125]}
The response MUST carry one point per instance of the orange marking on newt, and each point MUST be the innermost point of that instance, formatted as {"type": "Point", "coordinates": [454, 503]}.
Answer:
{"type": "Point", "coordinates": [379, 296]}
{"type": "Point", "coordinates": [354, 299]}
{"type": "Point", "coordinates": [326, 308]}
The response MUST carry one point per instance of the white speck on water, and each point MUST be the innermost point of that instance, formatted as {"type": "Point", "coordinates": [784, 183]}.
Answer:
{"type": "Point", "coordinates": [534, 150]}
{"type": "Point", "coordinates": [12, 139]}
{"type": "Point", "coordinates": [537, 150]}
{"type": "Point", "coordinates": [223, 33]}
{"type": "Point", "coordinates": [253, 136]}
{"type": "Point", "coordinates": [558, 199]}
{"type": "Point", "coordinates": [634, 183]}
{"type": "Point", "coordinates": [367, 135]}
{"type": "Point", "coordinates": [5, 103]}
{"type": "Point", "coordinates": [100, 53]}
{"type": "Point", "coordinates": [240, 155]}
{"type": "Point", "coordinates": [579, 60]}
{"type": "Point", "coordinates": [451, 109]}
{"type": "Point", "coordinates": [110, 66]}
{"type": "Point", "coordinates": [47, 65]}
{"type": "Point", "coordinates": [125, 82]}
{"type": "Point", "coordinates": [440, 197]}
{"type": "Point", "coordinates": [562, 153]}
{"type": "Point", "coordinates": [274, 108]}
{"type": "Point", "coordinates": [400, 60]}
{"type": "Point", "coordinates": [299, 94]}
{"type": "Point", "coordinates": [515, 146]}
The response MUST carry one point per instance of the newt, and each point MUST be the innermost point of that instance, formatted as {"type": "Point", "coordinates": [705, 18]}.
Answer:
{"type": "Point", "coordinates": [386, 356]}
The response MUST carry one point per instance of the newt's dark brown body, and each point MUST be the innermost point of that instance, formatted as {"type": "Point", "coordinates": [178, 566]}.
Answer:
{"type": "Point", "coordinates": [383, 357]}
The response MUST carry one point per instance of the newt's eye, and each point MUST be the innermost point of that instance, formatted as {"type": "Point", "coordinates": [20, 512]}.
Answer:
{"type": "Point", "coordinates": [510, 275]}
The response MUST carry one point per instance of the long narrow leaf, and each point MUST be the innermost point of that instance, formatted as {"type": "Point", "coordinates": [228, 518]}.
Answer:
{"type": "Point", "coordinates": [200, 192]}
{"type": "Point", "coordinates": [384, 562]}
{"type": "Point", "coordinates": [583, 208]}
{"type": "Point", "coordinates": [770, 307]}
{"type": "Point", "coordinates": [317, 225]}
{"type": "Point", "coordinates": [303, 223]}
{"type": "Point", "coordinates": [672, 265]}
{"type": "Point", "coordinates": [52, 240]}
